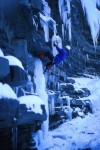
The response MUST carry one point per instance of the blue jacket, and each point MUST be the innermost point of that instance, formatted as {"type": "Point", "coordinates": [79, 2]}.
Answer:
{"type": "Point", "coordinates": [61, 56]}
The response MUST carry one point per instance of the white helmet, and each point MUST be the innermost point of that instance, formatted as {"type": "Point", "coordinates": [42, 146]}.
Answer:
{"type": "Point", "coordinates": [68, 47]}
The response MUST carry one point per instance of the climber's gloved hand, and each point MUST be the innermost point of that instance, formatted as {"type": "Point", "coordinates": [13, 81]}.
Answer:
{"type": "Point", "coordinates": [55, 44]}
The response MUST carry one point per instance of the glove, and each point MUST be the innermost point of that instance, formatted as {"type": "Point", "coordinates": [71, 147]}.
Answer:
{"type": "Point", "coordinates": [55, 44]}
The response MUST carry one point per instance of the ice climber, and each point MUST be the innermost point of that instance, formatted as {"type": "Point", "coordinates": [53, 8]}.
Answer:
{"type": "Point", "coordinates": [63, 53]}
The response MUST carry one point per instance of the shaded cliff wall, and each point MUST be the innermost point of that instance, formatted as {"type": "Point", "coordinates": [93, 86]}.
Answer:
{"type": "Point", "coordinates": [18, 34]}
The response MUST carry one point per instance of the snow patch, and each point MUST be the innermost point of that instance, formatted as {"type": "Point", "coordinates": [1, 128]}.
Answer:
{"type": "Point", "coordinates": [33, 103]}
{"type": "Point", "coordinates": [13, 61]}
{"type": "Point", "coordinates": [6, 92]}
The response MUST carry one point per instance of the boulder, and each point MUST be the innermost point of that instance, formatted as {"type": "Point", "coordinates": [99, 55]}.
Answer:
{"type": "Point", "coordinates": [72, 81]}
{"type": "Point", "coordinates": [4, 68]}
{"type": "Point", "coordinates": [9, 109]}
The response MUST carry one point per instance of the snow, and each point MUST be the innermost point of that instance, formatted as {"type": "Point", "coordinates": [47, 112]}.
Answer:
{"type": "Point", "coordinates": [33, 103]}
{"type": "Point", "coordinates": [40, 82]}
{"type": "Point", "coordinates": [93, 17]}
{"type": "Point", "coordinates": [82, 132]}
{"type": "Point", "coordinates": [13, 61]}
{"type": "Point", "coordinates": [6, 92]}
{"type": "Point", "coordinates": [1, 53]}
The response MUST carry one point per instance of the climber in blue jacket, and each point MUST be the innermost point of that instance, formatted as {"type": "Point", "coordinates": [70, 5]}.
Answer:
{"type": "Point", "coordinates": [63, 53]}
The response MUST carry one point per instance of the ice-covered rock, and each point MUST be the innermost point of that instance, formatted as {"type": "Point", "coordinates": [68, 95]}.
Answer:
{"type": "Point", "coordinates": [9, 105]}
{"type": "Point", "coordinates": [47, 22]}
{"type": "Point", "coordinates": [32, 102]}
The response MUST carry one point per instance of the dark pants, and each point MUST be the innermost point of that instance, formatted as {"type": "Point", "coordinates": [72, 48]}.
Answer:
{"type": "Point", "coordinates": [52, 62]}
{"type": "Point", "coordinates": [48, 65]}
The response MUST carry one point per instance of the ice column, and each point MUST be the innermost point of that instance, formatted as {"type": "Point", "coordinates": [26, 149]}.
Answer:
{"type": "Point", "coordinates": [65, 12]}
{"type": "Point", "coordinates": [39, 80]}
{"type": "Point", "coordinates": [46, 20]}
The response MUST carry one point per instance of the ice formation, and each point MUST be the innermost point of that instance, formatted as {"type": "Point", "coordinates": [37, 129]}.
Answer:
{"type": "Point", "coordinates": [93, 17]}
{"type": "Point", "coordinates": [46, 20]}
{"type": "Point", "coordinates": [39, 80]}
{"type": "Point", "coordinates": [64, 10]}
{"type": "Point", "coordinates": [1, 53]}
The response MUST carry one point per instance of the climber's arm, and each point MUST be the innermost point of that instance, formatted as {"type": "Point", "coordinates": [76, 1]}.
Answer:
{"type": "Point", "coordinates": [58, 49]}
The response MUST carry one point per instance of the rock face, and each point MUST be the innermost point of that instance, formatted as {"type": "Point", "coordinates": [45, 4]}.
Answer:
{"type": "Point", "coordinates": [20, 21]}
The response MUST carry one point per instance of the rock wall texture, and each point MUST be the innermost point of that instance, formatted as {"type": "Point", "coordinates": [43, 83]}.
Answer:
{"type": "Point", "coordinates": [19, 36]}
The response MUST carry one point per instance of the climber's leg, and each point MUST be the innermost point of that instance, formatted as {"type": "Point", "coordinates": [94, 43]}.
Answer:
{"type": "Point", "coordinates": [49, 65]}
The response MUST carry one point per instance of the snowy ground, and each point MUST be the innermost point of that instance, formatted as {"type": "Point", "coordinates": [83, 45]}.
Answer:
{"type": "Point", "coordinates": [79, 133]}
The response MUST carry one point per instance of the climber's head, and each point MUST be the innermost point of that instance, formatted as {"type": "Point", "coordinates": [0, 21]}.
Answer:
{"type": "Point", "coordinates": [67, 47]}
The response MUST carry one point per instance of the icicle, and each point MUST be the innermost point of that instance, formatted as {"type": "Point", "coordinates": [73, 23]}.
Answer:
{"type": "Point", "coordinates": [93, 18]}
{"type": "Point", "coordinates": [87, 57]}
{"type": "Point", "coordinates": [61, 4]}
{"type": "Point", "coordinates": [64, 10]}
{"type": "Point", "coordinates": [46, 32]}
{"type": "Point", "coordinates": [63, 34]}
{"type": "Point", "coordinates": [39, 80]}
{"type": "Point", "coordinates": [46, 10]}
{"type": "Point", "coordinates": [69, 30]}
{"type": "Point", "coordinates": [55, 28]}
{"type": "Point", "coordinates": [14, 137]}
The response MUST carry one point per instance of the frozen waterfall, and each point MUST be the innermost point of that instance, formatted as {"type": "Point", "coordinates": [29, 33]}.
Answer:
{"type": "Point", "coordinates": [39, 80]}
{"type": "Point", "coordinates": [65, 11]}
{"type": "Point", "coordinates": [46, 21]}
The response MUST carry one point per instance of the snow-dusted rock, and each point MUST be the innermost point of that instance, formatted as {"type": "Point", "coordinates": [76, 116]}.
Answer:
{"type": "Point", "coordinates": [33, 103]}
{"type": "Point", "coordinates": [9, 105]}
{"type": "Point", "coordinates": [32, 108]}
{"type": "Point", "coordinates": [13, 61]}
{"type": "Point", "coordinates": [4, 67]}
